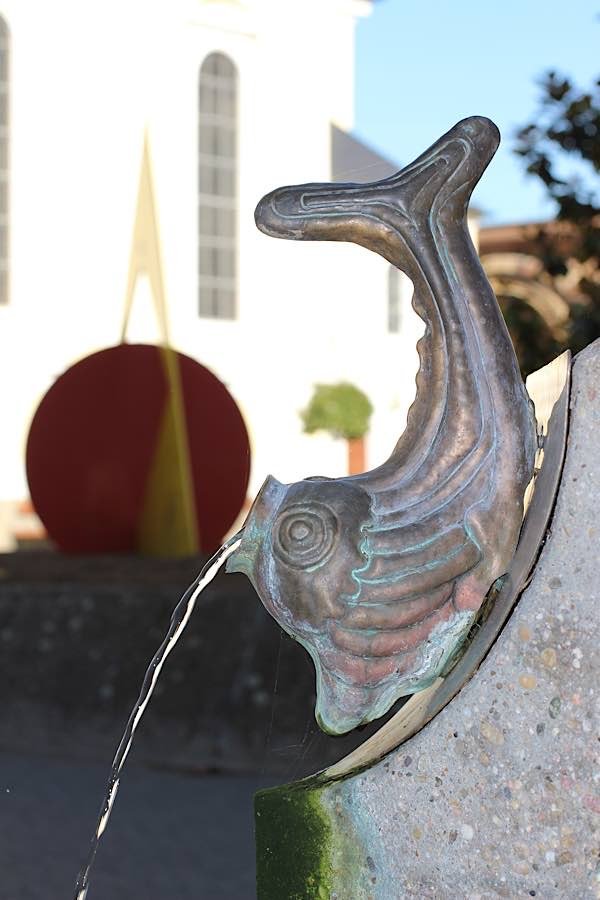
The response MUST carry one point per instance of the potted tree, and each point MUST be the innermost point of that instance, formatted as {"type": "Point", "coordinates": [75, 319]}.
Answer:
{"type": "Point", "coordinates": [344, 411]}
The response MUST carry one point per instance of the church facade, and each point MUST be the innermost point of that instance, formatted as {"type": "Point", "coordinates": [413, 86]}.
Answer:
{"type": "Point", "coordinates": [236, 97]}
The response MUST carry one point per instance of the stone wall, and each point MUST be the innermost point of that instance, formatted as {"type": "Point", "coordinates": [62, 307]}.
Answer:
{"type": "Point", "coordinates": [76, 636]}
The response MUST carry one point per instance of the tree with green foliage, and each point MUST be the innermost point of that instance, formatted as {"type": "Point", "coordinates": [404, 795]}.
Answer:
{"type": "Point", "coordinates": [343, 411]}
{"type": "Point", "coordinates": [561, 148]}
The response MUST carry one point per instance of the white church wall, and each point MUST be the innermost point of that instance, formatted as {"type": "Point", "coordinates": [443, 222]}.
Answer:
{"type": "Point", "coordinates": [85, 82]}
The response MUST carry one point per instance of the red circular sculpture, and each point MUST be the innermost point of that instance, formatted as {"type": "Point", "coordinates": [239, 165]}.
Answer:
{"type": "Point", "coordinates": [93, 444]}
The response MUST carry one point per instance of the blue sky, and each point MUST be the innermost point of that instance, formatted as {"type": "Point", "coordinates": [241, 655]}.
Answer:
{"type": "Point", "coordinates": [422, 66]}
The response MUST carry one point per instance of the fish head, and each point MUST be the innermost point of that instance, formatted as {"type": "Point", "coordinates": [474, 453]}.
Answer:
{"type": "Point", "coordinates": [300, 545]}
{"type": "Point", "coordinates": [301, 548]}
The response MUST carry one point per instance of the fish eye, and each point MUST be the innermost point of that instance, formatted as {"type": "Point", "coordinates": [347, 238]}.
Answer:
{"type": "Point", "coordinates": [304, 536]}
{"type": "Point", "coordinates": [299, 530]}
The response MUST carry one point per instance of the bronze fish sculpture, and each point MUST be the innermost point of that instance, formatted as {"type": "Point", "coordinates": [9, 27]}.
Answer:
{"type": "Point", "coordinates": [380, 575]}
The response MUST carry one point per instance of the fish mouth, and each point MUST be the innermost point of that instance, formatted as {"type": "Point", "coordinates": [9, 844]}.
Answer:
{"type": "Point", "coordinates": [256, 527]}
{"type": "Point", "coordinates": [451, 167]}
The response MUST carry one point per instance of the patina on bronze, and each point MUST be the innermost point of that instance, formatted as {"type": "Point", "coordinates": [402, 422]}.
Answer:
{"type": "Point", "coordinates": [380, 575]}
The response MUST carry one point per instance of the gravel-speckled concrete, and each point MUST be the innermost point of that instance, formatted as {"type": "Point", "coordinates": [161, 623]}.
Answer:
{"type": "Point", "coordinates": [500, 795]}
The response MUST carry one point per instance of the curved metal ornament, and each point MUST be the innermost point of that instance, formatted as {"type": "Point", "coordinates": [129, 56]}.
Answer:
{"type": "Point", "coordinates": [380, 576]}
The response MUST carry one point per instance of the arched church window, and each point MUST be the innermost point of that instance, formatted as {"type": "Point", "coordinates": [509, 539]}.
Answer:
{"type": "Point", "coordinates": [4, 158]}
{"type": "Point", "coordinates": [218, 189]}
{"type": "Point", "coordinates": [394, 300]}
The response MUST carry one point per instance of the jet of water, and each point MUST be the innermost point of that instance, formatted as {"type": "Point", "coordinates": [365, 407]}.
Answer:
{"type": "Point", "coordinates": [179, 620]}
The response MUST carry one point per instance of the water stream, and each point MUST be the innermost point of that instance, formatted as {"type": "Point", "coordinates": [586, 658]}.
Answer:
{"type": "Point", "coordinates": [179, 620]}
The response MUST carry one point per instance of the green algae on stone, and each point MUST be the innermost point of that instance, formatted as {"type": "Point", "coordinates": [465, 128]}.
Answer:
{"type": "Point", "coordinates": [293, 843]}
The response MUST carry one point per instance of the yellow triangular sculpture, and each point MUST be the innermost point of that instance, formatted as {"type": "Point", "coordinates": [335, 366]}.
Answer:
{"type": "Point", "coordinates": [168, 524]}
